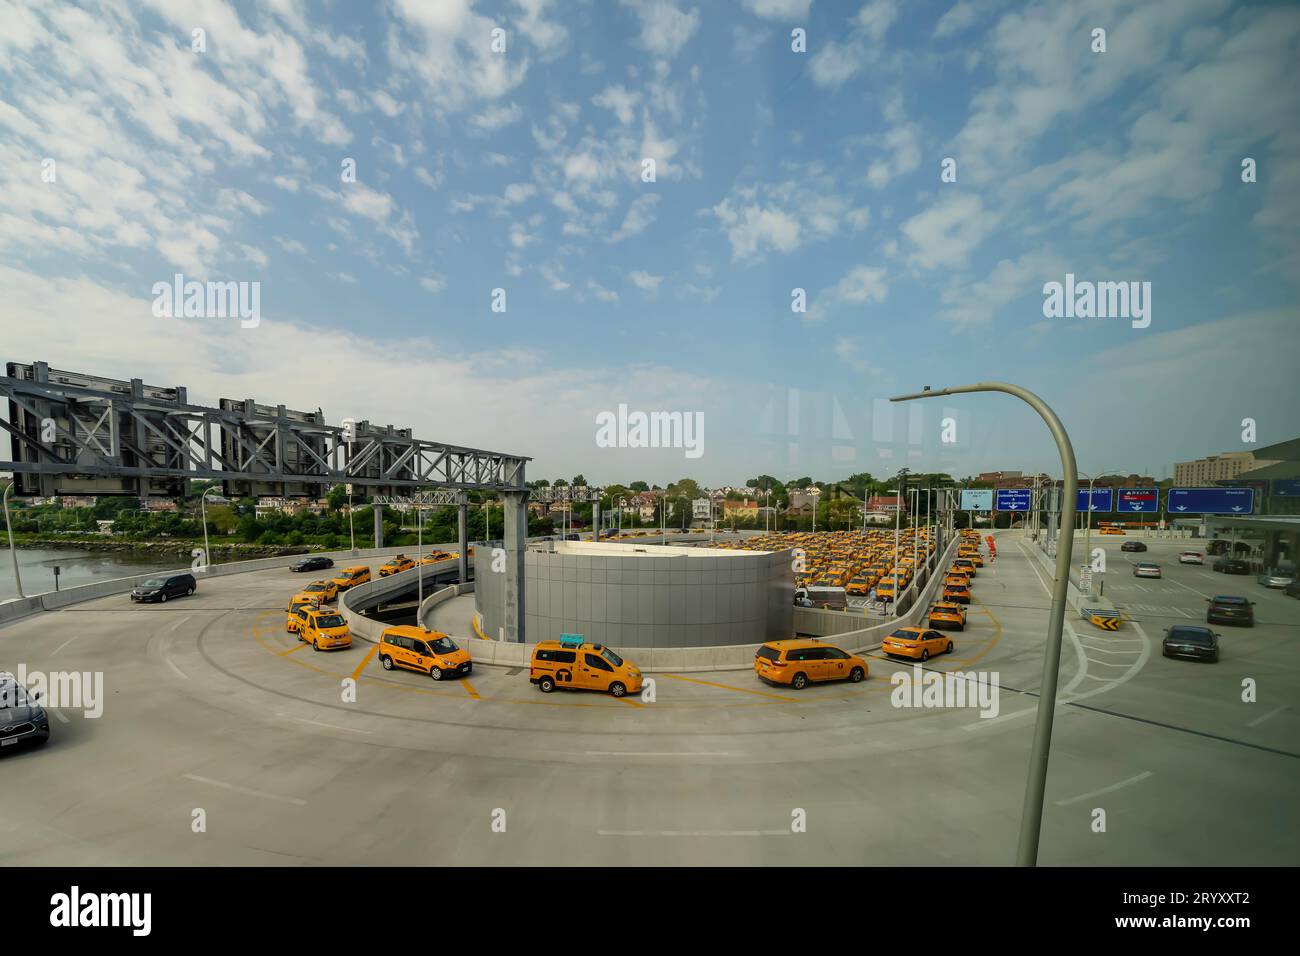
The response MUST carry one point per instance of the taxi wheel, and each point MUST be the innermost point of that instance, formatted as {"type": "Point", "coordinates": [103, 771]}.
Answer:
{"type": "Point", "coordinates": [617, 689]}
{"type": "Point", "coordinates": [546, 685]}
{"type": "Point", "coordinates": [315, 646]}
{"type": "Point", "coordinates": [925, 654]}
{"type": "Point", "coordinates": [387, 662]}
{"type": "Point", "coordinates": [950, 647]}
{"type": "Point", "coordinates": [856, 675]}
{"type": "Point", "coordinates": [435, 672]}
{"type": "Point", "coordinates": [163, 597]}
{"type": "Point", "coordinates": [800, 681]}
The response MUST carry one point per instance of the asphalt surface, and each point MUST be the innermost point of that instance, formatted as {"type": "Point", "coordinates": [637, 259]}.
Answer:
{"type": "Point", "coordinates": [211, 706]}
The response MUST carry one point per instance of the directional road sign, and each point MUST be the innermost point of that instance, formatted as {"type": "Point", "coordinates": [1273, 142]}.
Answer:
{"type": "Point", "coordinates": [1211, 501]}
{"type": "Point", "coordinates": [1103, 499]}
{"type": "Point", "coordinates": [977, 499]}
{"type": "Point", "coordinates": [1139, 500]}
{"type": "Point", "coordinates": [1013, 499]}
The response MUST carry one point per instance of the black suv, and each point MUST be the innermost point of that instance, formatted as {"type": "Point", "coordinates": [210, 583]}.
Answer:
{"type": "Point", "coordinates": [161, 589]}
{"type": "Point", "coordinates": [1231, 566]}
{"type": "Point", "coordinates": [1132, 546]}
{"type": "Point", "coordinates": [1230, 609]}
{"type": "Point", "coordinates": [314, 563]}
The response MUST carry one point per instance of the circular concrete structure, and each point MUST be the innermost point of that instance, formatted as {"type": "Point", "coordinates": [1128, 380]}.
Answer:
{"type": "Point", "coordinates": [644, 595]}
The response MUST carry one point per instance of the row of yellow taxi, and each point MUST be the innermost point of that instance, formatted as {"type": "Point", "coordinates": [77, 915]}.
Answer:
{"type": "Point", "coordinates": [946, 614]}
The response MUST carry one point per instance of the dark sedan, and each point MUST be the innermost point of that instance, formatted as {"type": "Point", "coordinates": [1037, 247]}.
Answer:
{"type": "Point", "coordinates": [1132, 546]}
{"type": "Point", "coordinates": [1231, 566]}
{"type": "Point", "coordinates": [1192, 643]}
{"type": "Point", "coordinates": [314, 563]}
{"type": "Point", "coordinates": [1230, 609]}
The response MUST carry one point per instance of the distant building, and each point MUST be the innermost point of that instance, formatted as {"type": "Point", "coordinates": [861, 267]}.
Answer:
{"type": "Point", "coordinates": [1225, 467]}
{"type": "Point", "coordinates": [77, 501]}
{"type": "Point", "coordinates": [884, 503]}
{"type": "Point", "coordinates": [740, 509]}
{"type": "Point", "coordinates": [1000, 476]}
{"type": "Point", "coordinates": [158, 504]}
{"type": "Point", "coordinates": [701, 509]}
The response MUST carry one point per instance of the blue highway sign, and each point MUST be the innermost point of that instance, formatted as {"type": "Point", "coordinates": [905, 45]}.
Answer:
{"type": "Point", "coordinates": [1139, 500]}
{"type": "Point", "coordinates": [1211, 501]}
{"type": "Point", "coordinates": [1103, 499]}
{"type": "Point", "coordinates": [1013, 499]}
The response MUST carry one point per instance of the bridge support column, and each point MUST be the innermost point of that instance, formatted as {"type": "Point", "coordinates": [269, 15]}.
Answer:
{"type": "Point", "coordinates": [379, 525]}
{"type": "Point", "coordinates": [595, 520]}
{"type": "Point", "coordinates": [462, 539]}
{"type": "Point", "coordinates": [515, 542]}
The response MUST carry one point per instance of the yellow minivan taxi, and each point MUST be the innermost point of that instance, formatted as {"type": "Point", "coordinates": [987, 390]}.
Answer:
{"type": "Point", "coordinates": [299, 602]}
{"type": "Point", "coordinates": [351, 577]}
{"type": "Point", "coordinates": [799, 662]}
{"type": "Point", "coordinates": [323, 629]}
{"type": "Point", "coordinates": [916, 642]}
{"type": "Point", "coordinates": [418, 649]}
{"type": "Point", "coordinates": [582, 665]}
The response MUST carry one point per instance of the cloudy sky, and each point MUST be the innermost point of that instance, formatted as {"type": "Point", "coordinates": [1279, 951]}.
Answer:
{"type": "Point", "coordinates": [775, 170]}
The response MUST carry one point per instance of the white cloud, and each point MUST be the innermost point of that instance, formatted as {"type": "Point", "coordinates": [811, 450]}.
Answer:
{"type": "Point", "coordinates": [665, 27]}
{"type": "Point", "coordinates": [287, 183]}
{"type": "Point", "coordinates": [779, 9]}
{"type": "Point", "coordinates": [433, 284]}
{"type": "Point", "coordinates": [496, 116]}
{"type": "Point", "coordinates": [519, 192]}
{"type": "Point", "coordinates": [645, 281]}
{"type": "Point", "coordinates": [639, 216]}
{"type": "Point", "coordinates": [386, 104]}
{"type": "Point", "coordinates": [945, 234]}
{"type": "Point", "coordinates": [959, 17]}
{"type": "Point", "coordinates": [290, 245]}
{"type": "Point", "coordinates": [600, 292]}
{"type": "Point", "coordinates": [620, 100]}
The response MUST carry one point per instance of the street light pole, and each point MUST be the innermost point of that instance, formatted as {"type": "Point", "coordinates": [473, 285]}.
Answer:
{"type": "Point", "coordinates": [1031, 817]}
{"type": "Point", "coordinates": [203, 509]}
{"type": "Point", "coordinates": [13, 551]}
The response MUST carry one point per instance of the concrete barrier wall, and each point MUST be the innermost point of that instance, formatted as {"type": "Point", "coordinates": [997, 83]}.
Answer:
{"type": "Point", "coordinates": [54, 600]}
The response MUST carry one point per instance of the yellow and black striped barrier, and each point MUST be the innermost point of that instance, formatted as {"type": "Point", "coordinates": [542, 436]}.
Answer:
{"type": "Point", "coordinates": [1103, 618]}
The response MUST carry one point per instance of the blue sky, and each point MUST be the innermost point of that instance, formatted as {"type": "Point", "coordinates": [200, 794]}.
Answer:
{"type": "Point", "coordinates": [776, 170]}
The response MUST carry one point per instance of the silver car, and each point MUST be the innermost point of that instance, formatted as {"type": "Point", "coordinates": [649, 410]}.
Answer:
{"type": "Point", "coordinates": [1275, 579]}
{"type": "Point", "coordinates": [1145, 570]}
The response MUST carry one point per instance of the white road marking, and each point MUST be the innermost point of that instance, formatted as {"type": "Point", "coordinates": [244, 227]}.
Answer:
{"type": "Point", "coordinates": [64, 644]}
{"type": "Point", "coordinates": [1107, 664]}
{"type": "Point", "coordinates": [178, 623]}
{"type": "Point", "coordinates": [1102, 650]}
{"type": "Point", "coordinates": [1111, 789]}
{"type": "Point", "coordinates": [989, 721]}
{"type": "Point", "coordinates": [62, 719]}
{"type": "Point", "coordinates": [175, 670]}
{"type": "Point", "coordinates": [252, 793]}
{"type": "Point", "coordinates": [694, 833]}
{"type": "Point", "coordinates": [1186, 588]}
{"type": "Point", "coordinates": [663, 753]}
{"type": "Point", "coordinates": [318, 723]}
{"type": "Point", "coordinates": [1272, 713]}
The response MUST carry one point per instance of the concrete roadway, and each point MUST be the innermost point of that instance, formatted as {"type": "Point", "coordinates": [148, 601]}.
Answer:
{"type": "Point", "coordinates": [211, 705]}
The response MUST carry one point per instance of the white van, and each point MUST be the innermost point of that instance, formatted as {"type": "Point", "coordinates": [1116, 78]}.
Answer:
{"type": "Point", "coordinates": [836, 599]}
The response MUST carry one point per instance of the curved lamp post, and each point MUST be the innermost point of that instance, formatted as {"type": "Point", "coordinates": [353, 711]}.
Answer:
{"type": "Point", "coordinates": [1031, 817]}
{"type": "Point", "coordinates": [203, 508]}
{"type": "Point", "coordinates": [13, 551]}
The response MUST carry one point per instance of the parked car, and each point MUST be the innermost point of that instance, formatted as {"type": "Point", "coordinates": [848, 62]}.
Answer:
{"type": "Point", "coordinates": [1231, 566]}
{"type": "Point", "coordinates": [1145, 569]}
{"type": "Point", "coordinates": [1292, 589]}
{"type": "Point", "coordinates": [1190, 557]}
{"type": "Point", "coordinates": [316, 562]}
{"type": "Point", "coordinates": [160, 589]}
{"type": "Point", "coordinates": [1275, 578]}
{"type": "Point", "coordinates": [1230, 609]}
{"type": "Point", "coordinates": [1192, 643]}
{"type": "Point", "coordinates": [1132, 546]}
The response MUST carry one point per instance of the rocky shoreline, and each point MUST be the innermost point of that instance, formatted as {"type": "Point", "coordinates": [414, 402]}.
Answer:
{"type": "Point", "coordinates": [144, 548]}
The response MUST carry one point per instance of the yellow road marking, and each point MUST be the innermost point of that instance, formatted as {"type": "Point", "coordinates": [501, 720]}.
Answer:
{"type": "Point", "coordinates": [473, 622]}
{"type": "Point", "coordinates": [364, 661]}
{"type": "Point", "coordinates": [741, 690]}
{"type": "Point", "coordinates": [469, 689]}
{"type": "Point", "coordinates": [297, 647]}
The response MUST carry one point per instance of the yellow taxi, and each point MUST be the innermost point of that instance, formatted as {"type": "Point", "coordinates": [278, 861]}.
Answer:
{"type": "Point", "coordinates": [918, 643]}
{"type": "Point", "coordinates": [860, 584]}
{"type": "Point", "coordinates": [1119, 531]}
{"type": "Point", "coordinates": [575, 664]}
{"type": "Point", "coordinates": [351, 577]}
{"type": "Point", "coordinates": [296, 603]}
{"type": "Point", "coordinates": [947, 615]}
{"type": "Point", "coordinates": [327, 590]}
{"type": "Point", "coordinates": [965, 564]}
{"type": "Point", "coordinates": [972, 556]}
{"type": "Point", "coordinates": [419, 649]}
{"type": "Point", "coordinates": [886, 589]}
{"type": "Point", "coordinates": [395, 565]}
{"type": "Point", "coordinates": [956, 593]}
{"type": "Point", "coordinates": [433, 557]}
{"type": "Point", "coordinates": [797, 663]}
{"type": "Point", "coordinates": [323, 629]}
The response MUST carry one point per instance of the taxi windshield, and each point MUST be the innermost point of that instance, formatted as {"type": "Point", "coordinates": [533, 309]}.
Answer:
{"type": "Point", "coordinates": [904, 635]}
{"type": "Point", "coordinates": [610, 656]}
{"type": "Point", "coordinates": [443, 645]}
{"type": "Point", "coordinates": [330, 620]}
